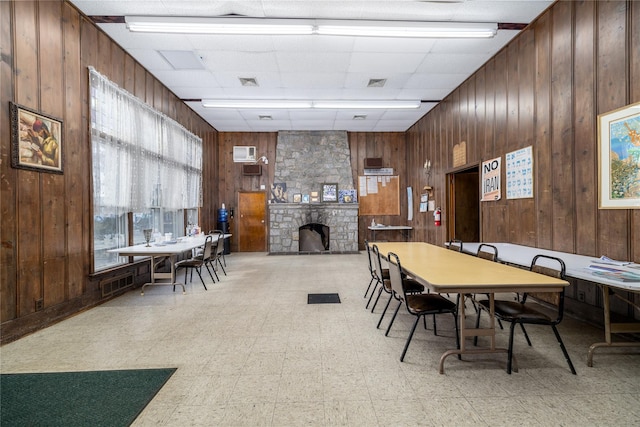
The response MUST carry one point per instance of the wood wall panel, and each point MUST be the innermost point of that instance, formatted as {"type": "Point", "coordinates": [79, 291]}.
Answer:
{"type": "Point", "coordinates": [612, 89]}
{"type": "Point", "coordinates": [562, 127]}
{"type": "Point", "coordinates": [46, 226]}
{"type": "Point", "coordinates": [545, 89]}
{"type": "Point", "coordinates": [586, 182]}
{"type": "Point", "coordinates": [8, 225]}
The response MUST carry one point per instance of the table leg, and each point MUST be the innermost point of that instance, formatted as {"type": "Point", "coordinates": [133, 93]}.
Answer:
{"type": "Point", "coordinates": [610, 328]}
{"type": "Point", "coordinates": [161, 275]}
{"type": "Point", "coordinates": [465, 333]}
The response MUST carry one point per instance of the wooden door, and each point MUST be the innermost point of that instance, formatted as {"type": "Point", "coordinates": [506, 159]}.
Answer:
{"type": "Point", "coordinates": [252, 221]}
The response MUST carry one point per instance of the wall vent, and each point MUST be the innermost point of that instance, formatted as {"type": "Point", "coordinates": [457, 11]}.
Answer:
{"type": "Point", "coordinates": [251, 169]}
{"type": "Point", "coordinates": [112, 285]}
{"type": "Point", "coordinates": [373, 163]}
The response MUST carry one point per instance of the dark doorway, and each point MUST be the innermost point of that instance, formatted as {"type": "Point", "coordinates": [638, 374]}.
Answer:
{"type": "Point", "coordinates": [463, 221]}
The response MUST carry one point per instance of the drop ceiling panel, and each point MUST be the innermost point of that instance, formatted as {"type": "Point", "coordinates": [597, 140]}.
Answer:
{"type": "Point", "coordinates": [384, 62]}
{"type": "Point", "coordinates": [315, 67]}
{"type": "Point", "coordinates": [309, 62]}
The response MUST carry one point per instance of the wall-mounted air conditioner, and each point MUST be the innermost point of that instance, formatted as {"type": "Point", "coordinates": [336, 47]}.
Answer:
{"type": "Point", "coordinates": [243, 153]}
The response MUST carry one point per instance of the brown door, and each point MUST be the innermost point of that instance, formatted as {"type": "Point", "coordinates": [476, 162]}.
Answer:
{"type": "Point", "coordinates": [252, 221]}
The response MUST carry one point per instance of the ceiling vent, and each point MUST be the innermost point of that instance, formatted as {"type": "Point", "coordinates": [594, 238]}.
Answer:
{"type": "Point", "coordinates": [360, 117]}
{"type": "Point", "coordinates": [376, 82]}
{"type": "Point", "coordinates": [248, 81]}
{"type": "Point", "coordinates": [265, 117]}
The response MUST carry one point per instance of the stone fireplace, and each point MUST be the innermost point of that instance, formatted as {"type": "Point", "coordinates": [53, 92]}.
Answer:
{"type": "Point", "coordinates": [287, 218]}
{"type": "Point", "coordinates": [304, 161]}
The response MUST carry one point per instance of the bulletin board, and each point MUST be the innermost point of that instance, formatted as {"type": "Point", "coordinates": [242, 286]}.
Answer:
{"type": "Point", "coordinates": [379, 195]}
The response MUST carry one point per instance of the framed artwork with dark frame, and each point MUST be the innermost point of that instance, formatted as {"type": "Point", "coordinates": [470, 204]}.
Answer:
{"type": "Point", "coordinates": [619, 158]}
{"type": "Point", "coordinates": [36, 140]}
{"type": "Point", "coordinates": [329, 192]}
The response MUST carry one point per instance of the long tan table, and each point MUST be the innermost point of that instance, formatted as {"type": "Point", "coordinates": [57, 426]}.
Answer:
{"type": "Point", "coordinates": [445, 271]}
{"type": "Point", "coordinates": [158, 252]}
{"type": "Point", "coordinates": [578, 267]}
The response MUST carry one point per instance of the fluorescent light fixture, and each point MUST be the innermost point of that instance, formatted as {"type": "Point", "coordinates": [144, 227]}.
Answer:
{"type": "Point", "coordinates": [230, 25]}
{"type": "Point", "coordinates": [310, 104]}
{"type": "Point", "coordinates": [263, 26]}
{"type": "Point", "coordinates": [256, 103]}
{"type": "Point", "coordinates": [414, 29]}
{"type": "Point", "coordinates": [367, 104]}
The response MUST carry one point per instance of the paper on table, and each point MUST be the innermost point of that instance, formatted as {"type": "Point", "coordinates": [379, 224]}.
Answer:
{"type": "Point", "coordinates": [606, 260]}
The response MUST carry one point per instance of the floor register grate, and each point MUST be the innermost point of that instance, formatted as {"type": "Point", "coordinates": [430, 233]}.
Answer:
{"type": "Point", "coordinates": [323, 299]}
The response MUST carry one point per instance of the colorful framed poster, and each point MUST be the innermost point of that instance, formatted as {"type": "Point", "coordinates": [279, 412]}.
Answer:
{"type": "Point", "coordinates": [619, 158]}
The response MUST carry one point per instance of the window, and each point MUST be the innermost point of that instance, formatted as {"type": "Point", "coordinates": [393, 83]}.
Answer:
{"type": "Point", "coordinates": [147, 169]}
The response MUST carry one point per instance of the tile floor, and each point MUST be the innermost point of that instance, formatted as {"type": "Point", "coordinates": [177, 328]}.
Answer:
{"type": "Point", "coordinates": [251, 352]}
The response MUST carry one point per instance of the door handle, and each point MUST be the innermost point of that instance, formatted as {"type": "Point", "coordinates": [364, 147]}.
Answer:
{"type": "Point", "coordinates": [262, 221]}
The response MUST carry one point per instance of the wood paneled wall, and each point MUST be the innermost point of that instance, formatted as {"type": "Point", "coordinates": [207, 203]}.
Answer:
{"type": "Point", "coordinates": [46, 225]}
{"type": "Point", "coordinates": [545, 89]}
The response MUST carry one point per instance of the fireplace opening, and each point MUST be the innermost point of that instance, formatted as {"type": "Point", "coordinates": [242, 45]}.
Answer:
{"type": "Point", "coordinates": [313, 238]}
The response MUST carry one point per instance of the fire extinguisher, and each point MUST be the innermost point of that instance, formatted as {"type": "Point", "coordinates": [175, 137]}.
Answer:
{"type": "Point", "coordinates": [437, 215]}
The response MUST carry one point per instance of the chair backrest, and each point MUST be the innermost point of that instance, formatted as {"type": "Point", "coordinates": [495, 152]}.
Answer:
{"type": "Point", "coordinates": [395, 275]}
{"type": "Point", "coordinates": [455, 245]}
{"type": "Point", "coordinates": [487, 251]}
{"type": "Point", "coordinates": [554, 267]}
{"type": "Point", "coordinates": [369, 255]}
{"type": "Point", "coordinates": [377, 263]}
{"type": "Point", "coordinates": [219, 243]}
{"type": "Point", "coordinates": [208, 242]}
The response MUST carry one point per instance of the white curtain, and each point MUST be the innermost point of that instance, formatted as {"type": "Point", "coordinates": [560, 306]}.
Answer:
{"type": "Point", "coordinates": [141, 158]}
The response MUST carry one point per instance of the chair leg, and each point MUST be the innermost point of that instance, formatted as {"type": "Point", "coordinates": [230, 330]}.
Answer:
{"type": "Point", "coordinates": [384, 311]}
{"type": "Point", "coordinates": [406, 346]}
{"type": "Point", "coordinates": [564, 350]}
{"type": "Point", "coordinates": [377, 298]}
{"type": "Point", "coordinates": [201, 279]}
{"type": "Point", "coordinates": [373, 291]}
{"type": "Point", "coordinates": [209, 271]}
{"type": "Point", "coordinates": [369, 287]}
{"type": "Point", "coordinates": [510, 350]}
{"type": "Point", "coordinates": [220, 264]}
{"type": "Point", "coordinates": [395, 313]}
{"type": "Point", "coordinates": [213, 267]}
{"type": "Point", "coordinates": [525, 334]}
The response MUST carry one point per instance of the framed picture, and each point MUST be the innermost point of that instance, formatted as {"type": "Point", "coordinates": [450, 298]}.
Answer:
{"type": "Point", "coordinates": [314, 197]}
{"type": "Point", "coordinates": [305, 198]}
{"type": "Point", "coordinates": [279, 192]}
{"type": "Point", "coordinates": [329, 192]}
{"type": "Point", "coordinates": [297, 198]}
{"type": "Point", "coordinates": [347, 196]}
{"type": "Point", "coordinates": [36, 140]}
{"type": "Point", "coordinates": [619, 158]}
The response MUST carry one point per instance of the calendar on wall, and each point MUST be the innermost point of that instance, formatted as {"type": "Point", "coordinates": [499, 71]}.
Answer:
{"type": "Point", "coordinates": [520, 173]}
